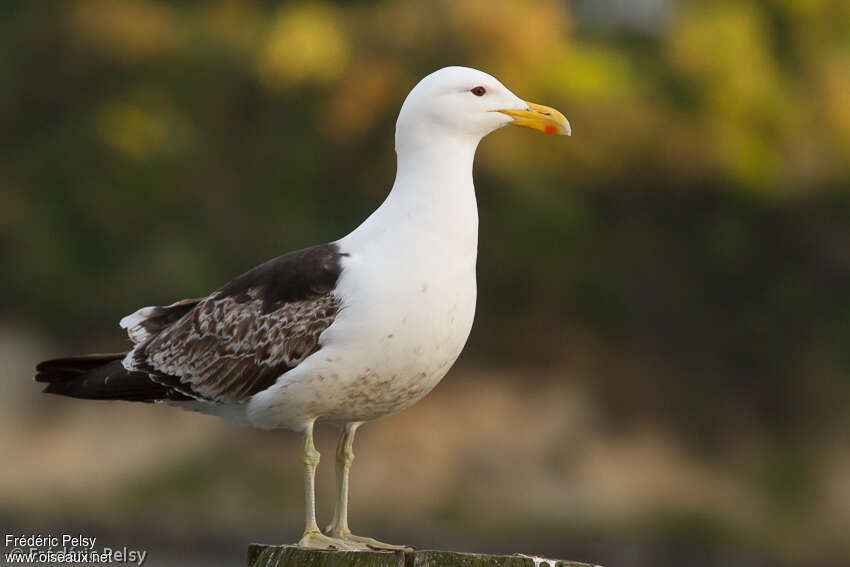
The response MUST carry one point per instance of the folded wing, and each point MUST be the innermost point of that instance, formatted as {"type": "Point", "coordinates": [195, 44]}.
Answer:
{"type": "Point", "coordinates": [223, 348]}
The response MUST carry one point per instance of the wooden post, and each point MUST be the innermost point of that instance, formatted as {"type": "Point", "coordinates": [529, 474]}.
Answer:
{"type": "Point", "coordinates": [260, 555]}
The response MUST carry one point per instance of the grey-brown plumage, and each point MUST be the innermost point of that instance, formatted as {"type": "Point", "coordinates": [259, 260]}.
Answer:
{"type": "Point", "coordinates": [221, 348]}
{"type": "Point", "coordinates": [225, 350]}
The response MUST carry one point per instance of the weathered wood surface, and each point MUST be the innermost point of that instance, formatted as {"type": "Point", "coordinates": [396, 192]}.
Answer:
{"type": "Point", "coordinates": [260, 555]}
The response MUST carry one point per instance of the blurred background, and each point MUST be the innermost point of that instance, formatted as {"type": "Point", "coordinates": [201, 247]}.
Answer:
{"type": "Point", "coordinates": [659, 373]}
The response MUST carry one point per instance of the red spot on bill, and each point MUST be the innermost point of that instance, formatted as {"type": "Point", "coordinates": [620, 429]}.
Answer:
{"type": "Point", "coordinates": [551, 130]}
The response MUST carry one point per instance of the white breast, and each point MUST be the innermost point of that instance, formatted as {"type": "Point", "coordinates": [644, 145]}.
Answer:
{"type": "Point", "coordinates": [398, 336]}
{"type": "Point", "coordinates": [408, 291]}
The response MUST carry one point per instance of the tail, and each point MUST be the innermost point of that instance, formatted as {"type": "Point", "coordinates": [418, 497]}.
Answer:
{"type": "Point", "coordinates": [100, 377]}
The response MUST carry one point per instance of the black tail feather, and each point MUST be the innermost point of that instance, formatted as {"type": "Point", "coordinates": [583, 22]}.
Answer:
{"type": "Point", "coordinates": [62, 369]}
{"type": "Point", "coordinates": [101, 377]}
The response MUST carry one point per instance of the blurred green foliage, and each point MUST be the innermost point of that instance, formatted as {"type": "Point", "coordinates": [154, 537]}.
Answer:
{"type": "Point", "coordinates": [686, 253]}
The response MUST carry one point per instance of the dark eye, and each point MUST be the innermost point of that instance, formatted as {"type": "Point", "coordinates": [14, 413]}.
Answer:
{"type": "Point", "coordinates": [478, 91]}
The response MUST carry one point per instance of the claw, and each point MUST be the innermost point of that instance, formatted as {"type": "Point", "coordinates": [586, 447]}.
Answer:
{"type": "Point", "coordinates": [316, 540]}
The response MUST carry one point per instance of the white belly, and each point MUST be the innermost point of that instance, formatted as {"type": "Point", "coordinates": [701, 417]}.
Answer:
{"type": "Point", "coordinates": [403, 323]}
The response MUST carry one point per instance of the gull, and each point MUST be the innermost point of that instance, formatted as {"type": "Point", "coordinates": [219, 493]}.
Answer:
{"type": "Point", "coordinates": [343, 332]}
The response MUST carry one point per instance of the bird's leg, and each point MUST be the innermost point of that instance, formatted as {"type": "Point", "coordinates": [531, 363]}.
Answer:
{"type": "Point", "coordinates": [312, 536]}
{"type": "Point", "coordinates": [344, 458]}
{"type": "Point", "coordinates": [338, 528]}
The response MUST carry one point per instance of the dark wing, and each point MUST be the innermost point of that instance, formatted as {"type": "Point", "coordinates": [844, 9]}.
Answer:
{"type": "Point", "coordinates": [222, 348]}
{"type": "Point", "coordinates": [240, 339]}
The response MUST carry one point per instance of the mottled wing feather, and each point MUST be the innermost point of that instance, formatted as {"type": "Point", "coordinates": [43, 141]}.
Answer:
{"type": "Point", "coordinates": [239, 340]}
{"type": "Point", "coordinates": [225, 350]}
{"type": "Point", "coordinates": [148, 321]}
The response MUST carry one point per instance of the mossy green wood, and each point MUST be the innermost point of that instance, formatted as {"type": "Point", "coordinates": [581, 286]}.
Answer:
{"type": "Point", "coordinates": [260, 555]}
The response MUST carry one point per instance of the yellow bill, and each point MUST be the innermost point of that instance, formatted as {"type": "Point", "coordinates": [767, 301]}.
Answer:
{"type": "Point", "coordinates": [539, 117]}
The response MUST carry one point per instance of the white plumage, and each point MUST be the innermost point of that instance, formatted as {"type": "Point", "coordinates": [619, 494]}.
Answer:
{"type": "Point", "coordinates": [344, 332]}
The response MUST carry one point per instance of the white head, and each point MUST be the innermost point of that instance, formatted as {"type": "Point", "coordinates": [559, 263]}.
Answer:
{"type": "Point", "coordinates": [465, 103]}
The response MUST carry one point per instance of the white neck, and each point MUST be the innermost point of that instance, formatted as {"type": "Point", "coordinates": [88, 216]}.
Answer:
{"type": "Point", "coordinates": [433, 193]}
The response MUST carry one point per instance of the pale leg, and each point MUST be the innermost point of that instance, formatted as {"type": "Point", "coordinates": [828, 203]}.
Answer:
{"type": "Point", "coordinates": [344, 458]}
{"type": "Point", "coordinates": [312, 536]}
{"type": "Point", "coordinates": [339, 526]}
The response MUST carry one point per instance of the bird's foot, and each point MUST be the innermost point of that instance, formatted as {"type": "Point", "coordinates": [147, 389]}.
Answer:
{"type": "Point", "coordinates": [318, 540]}
{"type": "Point", "coordinates": [366, 543]}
